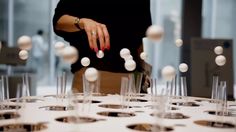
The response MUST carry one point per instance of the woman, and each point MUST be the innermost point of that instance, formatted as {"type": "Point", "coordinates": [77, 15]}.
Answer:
{"type": "Point", "coordinates": [103, 25]}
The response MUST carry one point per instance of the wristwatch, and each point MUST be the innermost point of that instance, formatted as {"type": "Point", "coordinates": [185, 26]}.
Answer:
{"type": "Point", "coordinates": [76, 23]}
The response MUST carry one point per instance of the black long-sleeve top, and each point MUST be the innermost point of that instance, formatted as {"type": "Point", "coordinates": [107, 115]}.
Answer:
{"type": "Point", "coordinates": [126, 21]}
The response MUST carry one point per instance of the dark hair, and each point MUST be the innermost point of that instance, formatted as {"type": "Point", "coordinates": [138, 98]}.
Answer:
{"type": "Point", "coordinates": [40, 32]}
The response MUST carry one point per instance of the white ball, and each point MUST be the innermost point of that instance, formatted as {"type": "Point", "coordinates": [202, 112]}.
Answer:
{"type": "Point", "coordinates": [85, 61]}
{"type": "Point", "coordinates": [143, 56]}
{"type": "Point", "coordinates": [59, 46]}
{"type": "Point", "coordinates": [70, 54]}
{"type": "Point", "coordinates": [100, 54]}
{"type": "Point", "coordinates": [220, 60]}
{"type": "Point", "coordinates": [178, 42]}
{"type": "Point", "coordinates": [183, 67]}
{"type": "Point", "coordinates": [91, 74]}
{"type": "Point", "coordinates": [168, 73]}
{"type": "Point", "coordinates": [155, 33]}
{"type": "Point", "coordinates": [23, 54]}
{"type": "Point", "coordinates": [124, 53]}
{"type": "Point", "coordinates": [130, 65]}
{"type": "Point", "coordinates": [129, 57]}
{"type": "Point", "coordinates": [218, 50]}
{"type": "Point", "coordinates": [24, 43]}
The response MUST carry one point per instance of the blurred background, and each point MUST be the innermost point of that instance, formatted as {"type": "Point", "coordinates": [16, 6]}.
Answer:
{"type": "Point", "coordinates": [196, 22]}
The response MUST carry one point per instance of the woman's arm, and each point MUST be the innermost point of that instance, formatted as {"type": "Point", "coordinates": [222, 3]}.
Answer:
{"type": "Point", "coordinates": [67, 23]}
{"type": "Point", "coordinates": [93, 29]}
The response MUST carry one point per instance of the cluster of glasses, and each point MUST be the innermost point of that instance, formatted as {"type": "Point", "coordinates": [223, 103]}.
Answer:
{"type": "Point", "coordinates": [174, 89]}
{"type": "Point", "coordinates": [219, 96]}
{"type": "Point", "coordinates": [162, 97]}
{"type": "Point", "coordinates": [22, 96]}
{"type": "Point", "coordinates": [22, 91]}
{"type": "Point", "coordinates": [81, 103]}
{"type": "Point", "coordinates": [4, 92]}
{"type": "Point", "coordinates": [61, 86]}
{"type": "Point", "coordinates": [130, 88]}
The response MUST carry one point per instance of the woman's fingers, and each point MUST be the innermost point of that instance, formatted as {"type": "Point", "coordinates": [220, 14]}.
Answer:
{"type": "Point", "coordinates": [106, 36]}
{"type": "Point", "coordinates": [96, 31]}
{"type": "Point", "coordinates": [89, 36]}
{"type": "Point", "coordinates": [91, 31]}
{"type": "Point", "coordinates": [101, 37]}
{"type": "Point", "coordinates": [94, 39]}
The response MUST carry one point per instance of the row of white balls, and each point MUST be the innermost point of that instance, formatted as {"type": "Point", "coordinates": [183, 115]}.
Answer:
{"type": "Point", "coordinates": [130, 64]}
{"type": "Point", "coordinates": [68, 53]}
{"type": "Point", "coordinates": [124, 53]}
{"type": "Point", "coordinates": [169, 72]}
{"type": "Point", "coordinates": [220, 60]}
{"type": "Point", "coordinates": [155, 33]}
{"type": "Point", "coordinates": [25, 44]}
{"type": "Point", "coordinates": [91, 74]}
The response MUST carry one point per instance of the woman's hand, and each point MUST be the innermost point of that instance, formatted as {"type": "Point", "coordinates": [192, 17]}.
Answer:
{"type": "Point", "coordinates": [95, 31]}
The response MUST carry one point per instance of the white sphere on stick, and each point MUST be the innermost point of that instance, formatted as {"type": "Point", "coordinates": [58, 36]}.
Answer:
{"type": "Point", "coordinates": [168, 73]}
{"type": "Point", "coordinates": [124, 53]}
{"type": "Point", "coordinates": [91, 74]}
{"type": "Point", "coordinates": [220, 60]}
{"type": "Point", "coordinates": [178, 42]}
{"type": "Point", "coordinates": [143, 55]}
{"type": "Point", "coordinates": [183, 67]}
{"type": "Point", "coordinates": [70, 54]}
{"type": "Point", "coordinates": [155, 33]}
{"type": "Point", "coordinates": [24, 43]}
{"type": "Point", "coordinates": [218, 50]}
{"type": "Point", "coordinates": [100, 54]}
{"type": "Point", "coordinates": [23, 54]}
{"type": "Point", "coordinates": [59, 46]}
{"type": "Point", "coordinates": [130, 65]}
{"type": "Point", "coordinates": [85, 61]}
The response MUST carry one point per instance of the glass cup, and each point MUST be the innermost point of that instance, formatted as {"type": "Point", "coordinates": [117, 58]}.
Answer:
{"type": "Point", "coordinates": [125, 92]}
{"type": "Point", "coordinates": [25, 82]}
{"type": "Point", "coordinates": [89, 88]}
{"type": "Point", "coordinates": [61, 86]}
{"type": "Point", "coordinates": [4, 91]}
{"type": "Point", "coordinates": [135, 81]}
{"type": "Point", "coordinates": [215, 84]}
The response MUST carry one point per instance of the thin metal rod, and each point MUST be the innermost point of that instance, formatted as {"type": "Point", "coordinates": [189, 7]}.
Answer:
{"type": "Point", "coordinates": [3, 88]}
{"type": "Point", "coordinates": [27, 84]}
{"type": "Point", "coordinates": [7, 88]}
